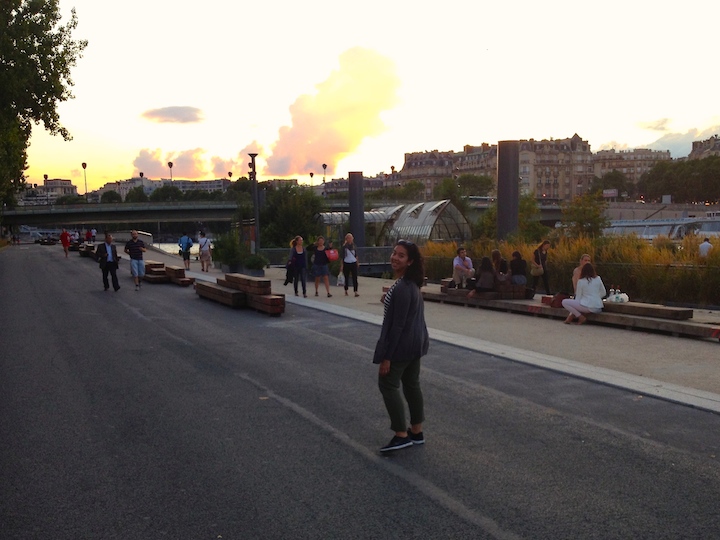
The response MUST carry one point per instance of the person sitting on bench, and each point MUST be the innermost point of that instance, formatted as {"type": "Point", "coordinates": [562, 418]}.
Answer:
{"type": "Point", "coordinates": [485, 278]}
{"type": "Point", "coordinates": [462, 267]}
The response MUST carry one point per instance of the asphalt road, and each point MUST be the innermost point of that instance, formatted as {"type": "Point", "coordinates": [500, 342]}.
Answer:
{"type": "Point", "coordinates": [156, 414]}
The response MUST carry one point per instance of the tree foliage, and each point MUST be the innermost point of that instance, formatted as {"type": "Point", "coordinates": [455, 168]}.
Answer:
{"type": "Point", "coordinates": [136, 194]}
{"type": "Point", "coordinates": [70, 199]}
{"type": "Point", "coordinates": [585, 215]}
{"type": "Point", "coordinates": [696, 180]}
{"type": "Point", "coordinates": [36, 57]}
{"type": "Point", "coordinates": [167, 194]}
{"type": "Point", "coordinates": [529, 227]}
{"type": "Point", "coordinates": [614, 180]}
{"type": "Point", "coordinates": [289, 211]}
{"type": "Point", "coordinates": [110, 197]}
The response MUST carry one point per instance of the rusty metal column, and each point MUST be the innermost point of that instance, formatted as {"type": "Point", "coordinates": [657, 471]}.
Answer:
{"type": "Point", "coordinates": [357, 208]}
{"type": "Point", "coordinates": [508, 191]}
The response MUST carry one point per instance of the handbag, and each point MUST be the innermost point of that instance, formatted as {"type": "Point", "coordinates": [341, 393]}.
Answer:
{"type": "Point", "coordinates": [332, 254]}
{"type": "Point", "coordinates": [537, 271]}
{"type": "Point", "coordinates": [341, 280]}
{"type": "Point", "coordinates": [556, 301]}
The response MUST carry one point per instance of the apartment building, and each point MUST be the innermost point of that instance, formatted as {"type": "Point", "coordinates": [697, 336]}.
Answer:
{"type": "Point", "coordinates": [47, 193]}
{"type": "Point", "coordinates": [632, 163]}
{"type": "Point", "coordinates": [706, 148]}
{"type": "Point", "coordinates": [429, 168]}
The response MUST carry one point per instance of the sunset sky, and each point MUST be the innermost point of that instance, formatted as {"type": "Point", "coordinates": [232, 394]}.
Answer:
{"type": "Point", "coordinates": [357, 85]}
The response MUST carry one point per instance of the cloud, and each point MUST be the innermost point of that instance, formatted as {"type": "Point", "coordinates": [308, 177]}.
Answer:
{"type": "Point", "coordinates": [187, 164]}
{"type": "Point", "coordinates": [174, 115]}
{"type": "Point", "coordinates": [613, 144]}
{"type": "Point", "coordinates": [656, 125]}
{"type": "Point", "coordinates": [329, 125]}
{"type": "Point", "coordinates": [680, 144]}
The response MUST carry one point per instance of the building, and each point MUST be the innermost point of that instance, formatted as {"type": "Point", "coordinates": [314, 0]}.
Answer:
{"type": "Point", "coordinates": [47, 193]}
{"type": "Point", "coordinates": [429, 168]}
{"type": "Point", "coordinates": [123, 187]}
{"type": "Point", "coordinates": [706, 148]}
{"type": "Point", "coordinates": [632, 163]}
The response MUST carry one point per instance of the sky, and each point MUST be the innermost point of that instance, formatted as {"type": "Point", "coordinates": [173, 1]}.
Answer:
{"type": "Point", "coordinates": [356, 85]}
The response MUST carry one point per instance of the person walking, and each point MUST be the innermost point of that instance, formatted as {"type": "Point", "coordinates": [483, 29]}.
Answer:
{"type": "Point", "coordinates": [65, 241]}
{"type": "Point", "coordinates": [539, 266]}
{"type": "Point", "coordinates": [185, 244]}
{"type": "Point", "coordinates": [321, 269]}
{"type": "Point", "coordinates": [299, 265]}
{"type": "Point", "coordinates": [349, 263]}
{"type": "Point", "coordinates": [205, 253]}
{"type": "Point", "coordinates": [107, 256]}
{"type": "Point", "coordinates": [135, 248]}
{"type": "Point", "coordinates": [403, 341]}
{"type": "Point", "coordinates": [589, 295]}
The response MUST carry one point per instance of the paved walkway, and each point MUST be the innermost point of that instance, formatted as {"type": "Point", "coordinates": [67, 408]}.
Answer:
{"type": "Point", "coordinates": [678, 369]}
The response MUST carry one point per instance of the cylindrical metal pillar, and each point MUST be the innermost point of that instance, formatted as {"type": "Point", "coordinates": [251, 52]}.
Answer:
{"type": "Point", "coordinates": [508, 191]}
{"type": "Point", "coordinates": [357, 207]}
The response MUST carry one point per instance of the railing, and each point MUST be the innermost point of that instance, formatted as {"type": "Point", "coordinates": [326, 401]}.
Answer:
{"type": "Point", "coordinates": [373, 255]}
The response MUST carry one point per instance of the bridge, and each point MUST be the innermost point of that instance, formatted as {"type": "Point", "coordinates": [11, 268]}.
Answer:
{"type": "Point", "coordinates": [73, 214]}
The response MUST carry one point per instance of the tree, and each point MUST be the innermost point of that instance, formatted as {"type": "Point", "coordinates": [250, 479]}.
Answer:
{"type": "Point", "coordinates": [585, 215]}
{"type": "Point", "coordinates": [472, 185]}
{"type": "Point", "coordinates": [529, 227]}
{"type": "Point", "coordinates": [166, 194]}
{"type": "Point", "coordinates": [136, 194]}
{"type": "Point", "coordinates": [613, 180]}
{"type": "Point", "coordinates": [70, 199]}
{"type": "Point", "coordinates": [111, 197]}
{"type": "Point", "coordinates": [36, 56]}
{"type": "Point", "coordinates": [289, 211]}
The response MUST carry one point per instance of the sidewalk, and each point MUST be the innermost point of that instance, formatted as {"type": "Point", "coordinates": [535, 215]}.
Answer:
{"type": "Point", "coordinates": [678, 369]}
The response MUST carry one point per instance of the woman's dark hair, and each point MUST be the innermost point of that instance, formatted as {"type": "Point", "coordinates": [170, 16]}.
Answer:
{"type": "Point", "coordinates": [516, 255]}
{"type": "Point", "coordinates": [496, 258]}
{"type": "Point", "coordinates": [588, 271]}
{"type": "Point", "coordinates": [544, 243]}
{"type": "Point", "coordinates": [416, 271]}
{"type": "Point", "coordinates": [486, 265]}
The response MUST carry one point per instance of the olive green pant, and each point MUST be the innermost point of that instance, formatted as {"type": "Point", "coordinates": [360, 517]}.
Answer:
{"type": "Point", "coordinates": [407, 373]}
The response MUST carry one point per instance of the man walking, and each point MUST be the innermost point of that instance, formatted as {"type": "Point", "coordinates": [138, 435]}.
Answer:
{"type": "Point", "coordinates": [185, 244]}
{"type": "Point", "coordinates": [135, 248]}
{"type": "Point", "coordinates": [108, 258]}
{"type": "Point", "coordinates": [65, 241]}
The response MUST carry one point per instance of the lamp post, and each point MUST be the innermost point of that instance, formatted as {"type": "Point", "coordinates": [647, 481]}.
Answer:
{"type": "Point", "coordinates": [45, 176]}
{"type": "Point", "coordinates": [84, 166]}
{"type": "Point", "coordinates": [256, 200]}
{"type": "Point", "coordinates": [170, 164]}
{"type": "Point", "coordinates": [311, 177]}
{"type": "Point", "coordinates": [324, 166]}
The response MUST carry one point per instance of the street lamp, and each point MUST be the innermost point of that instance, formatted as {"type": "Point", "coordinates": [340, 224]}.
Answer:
{"type": "Point", "coordinates": [311, 177]}
{"type": "Point", "coordinates": [256, 200]}
{"type": "Point", "coordinates": [46, 189]}
{"type": "Point", "coordinates": [324, 169]}
{"type": "Point", "coordinates": [170, 164]}
{"type": "Point", "coordinates": [84, 166]}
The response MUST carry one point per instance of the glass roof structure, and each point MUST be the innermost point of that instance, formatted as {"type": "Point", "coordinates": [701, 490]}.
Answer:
{"type": "Point", "coordinates": [437, 221]}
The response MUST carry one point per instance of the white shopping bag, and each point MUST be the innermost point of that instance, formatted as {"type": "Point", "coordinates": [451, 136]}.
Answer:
{"type": "Point", "coordinates": [341, 280]}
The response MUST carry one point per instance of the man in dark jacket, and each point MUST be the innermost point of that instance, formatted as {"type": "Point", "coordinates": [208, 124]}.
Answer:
{"type": "Point", "coordinates": [107, 256]}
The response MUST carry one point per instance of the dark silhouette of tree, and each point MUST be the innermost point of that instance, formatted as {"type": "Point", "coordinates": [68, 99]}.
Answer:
{"type": "Point", "coordinates": [36, 57]}
{"type": "Point", "coordinates": [111, 197]}
{"type": "Point", "coordinates": [166, 194]}
{"type": "Point", "coordinates": [136, 194]}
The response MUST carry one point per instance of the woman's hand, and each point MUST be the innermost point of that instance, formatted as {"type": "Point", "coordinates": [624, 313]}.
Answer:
{"type": "Point", "coordinates": [384, 367]}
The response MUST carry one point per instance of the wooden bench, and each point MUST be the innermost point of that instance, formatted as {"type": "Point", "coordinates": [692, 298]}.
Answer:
{"type": "Point", "coordinates": [649, 310]}
{"type": "Point", "coordinates": [681, 327]}
{"type": "Point", "coordinates": [86, 250]}
{"type": "Point", "coordinates": [257, 291]}
{"type": "Point", "coordinates": [177, 276]}
{"type": "Point", "coordinates": [218, 293]}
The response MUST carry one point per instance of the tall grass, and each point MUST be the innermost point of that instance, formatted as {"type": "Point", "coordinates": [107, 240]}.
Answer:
{"type": "Point", "coordinates": [660, 272]}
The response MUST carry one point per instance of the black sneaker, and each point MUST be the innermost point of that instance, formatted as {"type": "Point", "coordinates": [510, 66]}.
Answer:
{"type": "Point", "coordinates": [397, 443]}
{"type": "Point", "coordinates": [416, 438]}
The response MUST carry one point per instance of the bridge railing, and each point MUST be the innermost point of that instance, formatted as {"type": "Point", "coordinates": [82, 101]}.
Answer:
{"type": "Point", "coordinates": [374, 255]}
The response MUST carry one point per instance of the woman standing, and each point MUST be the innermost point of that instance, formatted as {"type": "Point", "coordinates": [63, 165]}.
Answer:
{"type": "Point", "coordinates": [403, 341]}
{"type": "Point", "coordinates": [588, 295]}
{"type": "Point", "coordinates": [320, 266]}
{"type": "Point", "coordinates": [299, 265]}
{"type": "Point", "coordinates": [539, 266]}
{"type": "Point", "coordinates": [349, 263]}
